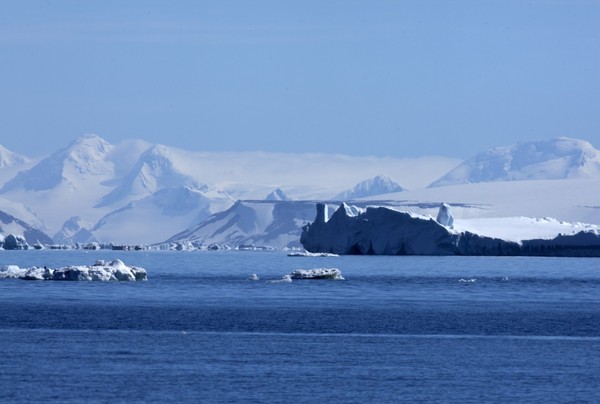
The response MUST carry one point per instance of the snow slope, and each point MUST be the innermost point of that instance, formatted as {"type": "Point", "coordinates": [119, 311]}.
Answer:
{"type": "Point", "coordinates": [11, 225]}
{"type": "Point", "coordinates": [573, 200]}
{"type": "Point", "coordinates": [542, 160]}
{"type": "Point", "coordinates": [11, 163]}
{"type": "Point", "coordinates": [156, 217]}
{"type": "Point", "coordinates": [274, 224]}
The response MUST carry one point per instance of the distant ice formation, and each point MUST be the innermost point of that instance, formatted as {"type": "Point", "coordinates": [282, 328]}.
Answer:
{"type": "Point", "coordinates": [277, 195]}
{"type": "Point", "coordinates": [444, 216]}
{"type": "Point", "coordinates": [378, 185]}
{"type": "Point", "coordinates": [102, 271]}
{"type": "Point", "coordinates": [547, 159]}
{"type": "Point", "coordinates": [309, 254]}
{"type": "Point", "coordinates": [385, 231]}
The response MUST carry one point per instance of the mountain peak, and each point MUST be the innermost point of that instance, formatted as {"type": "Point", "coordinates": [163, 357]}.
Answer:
{"type": "Point", "coordinates": [277, 195]}
{"type": "Point", "coordinates": [556, 158]}
{"type": "Point", "coordinates": [10, 159]}
{"type": "Point", "coordinates": [86, 155]}
{"type": "Point", "coordinates": [378, 185]}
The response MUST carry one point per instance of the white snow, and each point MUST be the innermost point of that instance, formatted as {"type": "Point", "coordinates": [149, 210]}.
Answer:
{"type": "Point", "coordinates": [522, 228]}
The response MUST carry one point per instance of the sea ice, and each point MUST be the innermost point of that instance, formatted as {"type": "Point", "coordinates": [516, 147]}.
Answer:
{"type": "Point", "coordinates": [317, 273]}
{"type": "Point", "coordinates": [102, 271]}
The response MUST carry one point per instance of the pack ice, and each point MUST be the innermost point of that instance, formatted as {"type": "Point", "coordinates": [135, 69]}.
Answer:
{"type": "Point", "coordinates": [114, 270]}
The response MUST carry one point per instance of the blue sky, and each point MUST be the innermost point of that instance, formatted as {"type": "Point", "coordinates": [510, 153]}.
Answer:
{"type": "Point", "coordinates": [384, 78]}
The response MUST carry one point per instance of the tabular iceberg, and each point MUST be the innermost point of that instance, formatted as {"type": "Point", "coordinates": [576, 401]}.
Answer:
{"type": "Point", "coordinates": [103, 271]}
{"type": "Point", "coordinates": [385, 231]}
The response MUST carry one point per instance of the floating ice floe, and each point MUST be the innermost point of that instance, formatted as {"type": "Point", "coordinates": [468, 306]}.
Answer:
{"type": "Point", "coordinates": [317, 273]}
{"type": "Point", "coordinates": [114, 270]}
{"type": "Point", "coordinates": [284, 279]}
{"type": "Point", "coordinates": [309, 254]}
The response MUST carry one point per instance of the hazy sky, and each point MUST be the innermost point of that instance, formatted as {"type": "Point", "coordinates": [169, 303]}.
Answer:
{"type": "Point", "coordinates": [385, 78]}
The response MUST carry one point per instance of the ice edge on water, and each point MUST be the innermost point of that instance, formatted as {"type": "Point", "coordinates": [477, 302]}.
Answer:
{"type": "Point", "coordinates": [101, 271]}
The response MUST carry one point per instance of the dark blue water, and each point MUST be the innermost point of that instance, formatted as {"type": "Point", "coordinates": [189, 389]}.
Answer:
{"type": "Point", "coordinates": [397, 329]}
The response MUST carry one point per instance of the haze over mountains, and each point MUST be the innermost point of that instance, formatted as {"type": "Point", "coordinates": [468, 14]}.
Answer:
{"type": "Point", "coordinates": [141, 193]}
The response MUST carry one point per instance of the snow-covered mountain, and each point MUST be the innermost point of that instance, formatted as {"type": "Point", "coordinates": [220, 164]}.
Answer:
{"type": "Point", "coordinates": [70, 167]}
{"type": "Point", "coordinates": [75, 230]}
{"type": "Point", "coordinates": [9, 159]}
{"type": "Point", "coordinates": [11, 225]}
{"type": "Point", "coordinates": [157, 168]}
{"type": "Point", "coordinates": [542, 160]}
{"type": "Point", "coordinates": [277, 195]}
{"type": "Point", "coordinates": [112, 185]}
{"type": "Point", "coordinates": [136, 192]}
{"type": "Point", "coordinates": [275, 224]}
{"type": "Point", "coordinates": [11, 163]}
{"type": "Point", "coordinates": [160, 215]}
{"type": "Point", "coordinates": [378, 185]}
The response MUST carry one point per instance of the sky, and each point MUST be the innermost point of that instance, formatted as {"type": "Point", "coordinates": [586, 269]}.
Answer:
{"type": "Point", "coordinates": [379, 78]}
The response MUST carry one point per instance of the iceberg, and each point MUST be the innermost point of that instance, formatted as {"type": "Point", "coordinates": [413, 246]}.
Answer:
{"type": "Point", "coordinates": [317, 273]}
{"type": "Point", "coordinates": [386, 231]}
{"type": "Point", "coordinates": [309, 254]}
{"type": "Point", "coordinates": [102, 271]}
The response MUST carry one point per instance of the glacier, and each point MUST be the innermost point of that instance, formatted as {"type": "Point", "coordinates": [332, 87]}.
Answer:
{"type": "Point", "coordinates": [385, 231]}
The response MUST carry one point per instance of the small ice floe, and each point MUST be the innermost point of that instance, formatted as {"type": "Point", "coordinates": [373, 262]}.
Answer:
{"type": "Point", "coordinates": [471, 280]}
{"type": "Point", "coordinates": [114, 270]}
{"type": "Point", "coordinates": [253, 277]}
{"type": "Point", "coordinates": [284, 279]}
{"type": "Point", "coordinates": [309, 254]}
{"type": "Point", "coordinates": [317, 273]}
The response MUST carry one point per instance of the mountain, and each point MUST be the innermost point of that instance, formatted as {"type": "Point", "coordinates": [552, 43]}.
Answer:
{"type": "Point", "coordinates": [275, 224]}
{"type": "Point", "coordinates": [9, 159]}
{"type": "Point", "coordinates": [378, 185]}
{"type": "Point", "coordinates": [157, 168]}
{"type": "Point", "coordinates": [11, 225]}
{"type": "Point", "coordinates": [75, 230]}
{"type": "Point", "coordinates": [160, 215]}
{"type": "Point", "coordinates": [558, 158]}
{"type": "Point", "coordinates": [72, 166]}
{"type": "Point", "coordinates": [277, 195]}
{"type": "Point", "coordinates": [72, 180]}
{"type": "Point", "coordinates": [11, 163]}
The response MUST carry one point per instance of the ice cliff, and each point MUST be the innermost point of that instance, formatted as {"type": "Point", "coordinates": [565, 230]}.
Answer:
{"type": "Point", "coordinates": [385, 231]}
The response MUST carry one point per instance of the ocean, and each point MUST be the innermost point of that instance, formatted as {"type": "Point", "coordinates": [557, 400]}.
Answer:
{"type": "Point", "coordinates": [397, 329]}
